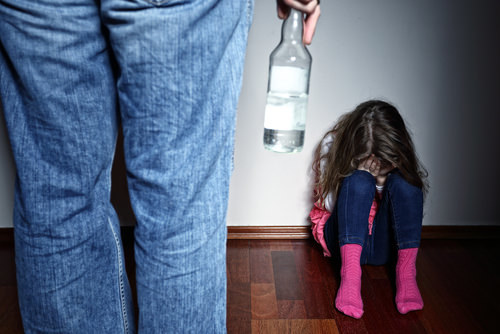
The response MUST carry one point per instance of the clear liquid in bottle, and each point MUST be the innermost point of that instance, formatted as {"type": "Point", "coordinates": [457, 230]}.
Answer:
{"type": "Point", "coordinates": [285, 122]}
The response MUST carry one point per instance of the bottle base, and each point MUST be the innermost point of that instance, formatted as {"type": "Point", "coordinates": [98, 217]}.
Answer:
{"type": "Point", "coordinates": [284, 141]}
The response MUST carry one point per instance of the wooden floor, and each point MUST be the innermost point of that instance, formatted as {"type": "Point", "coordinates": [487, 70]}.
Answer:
{"type": "Point", "coordinates": [287, 286]}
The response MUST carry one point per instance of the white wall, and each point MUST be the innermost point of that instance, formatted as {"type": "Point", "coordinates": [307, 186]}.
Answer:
{"type": "Point", "coordinates": [437, 61]}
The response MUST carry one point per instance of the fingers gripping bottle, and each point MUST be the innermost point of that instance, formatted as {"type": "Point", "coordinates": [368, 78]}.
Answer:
{"type": "Point", "coordinates": [288, 89]}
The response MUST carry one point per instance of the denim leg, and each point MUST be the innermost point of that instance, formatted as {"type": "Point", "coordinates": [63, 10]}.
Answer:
{"type": "Point", "coordinates": [353, 207]}
{"type": "Point", "coordinates": [58, 98]}
{"type": "Point", "coordinates": [398, 221]}
{"type": "Point", "coordinates": [381, 242]}
{"type": "Point", "coordinates": [180, 66]}
{"type": "Point", "coordinates": [405, 203]}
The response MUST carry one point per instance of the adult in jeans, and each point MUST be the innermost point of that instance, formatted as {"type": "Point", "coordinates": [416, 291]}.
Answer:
{"type": "Point", "coordinates": [170, 73]}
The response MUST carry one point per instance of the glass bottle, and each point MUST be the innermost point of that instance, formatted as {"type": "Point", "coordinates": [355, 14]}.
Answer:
{"type": "Point", "coordinates": [288, 89]}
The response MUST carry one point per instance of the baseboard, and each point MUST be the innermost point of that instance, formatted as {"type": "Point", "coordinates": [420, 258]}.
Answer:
{"type": "Point", "coordinates": [269, 232]}
{"type": "Point", "coordinates": [304, 232]}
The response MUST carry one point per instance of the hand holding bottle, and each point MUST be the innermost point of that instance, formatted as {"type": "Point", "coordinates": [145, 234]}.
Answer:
{"type": "Point", "coordinates": [310, 7]}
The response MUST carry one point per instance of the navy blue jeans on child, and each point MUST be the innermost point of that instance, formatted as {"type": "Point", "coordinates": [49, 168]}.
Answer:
{"type": "Point", "coordinates": [396, 228]}
{"type": "Point", "coordinates": [397, 224]}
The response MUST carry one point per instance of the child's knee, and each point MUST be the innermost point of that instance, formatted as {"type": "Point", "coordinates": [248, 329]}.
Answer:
{"type": "Point", "coordinates": [397, 185]}
{"type": "Point", "coordinates": [360, 182]}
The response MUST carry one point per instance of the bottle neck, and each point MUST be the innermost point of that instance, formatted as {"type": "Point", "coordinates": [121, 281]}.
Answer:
{"type": "Point", "coordinates": [293, 29]}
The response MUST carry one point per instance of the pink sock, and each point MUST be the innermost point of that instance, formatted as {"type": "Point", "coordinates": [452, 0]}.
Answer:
{"type": "Point", "coordinates": [408, 296]}
{"type": "Point", "coordinates": [348, 300]}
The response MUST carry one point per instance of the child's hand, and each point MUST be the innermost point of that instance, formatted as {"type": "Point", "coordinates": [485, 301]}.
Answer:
{"type": "Point", "coordinates": [373, 166]}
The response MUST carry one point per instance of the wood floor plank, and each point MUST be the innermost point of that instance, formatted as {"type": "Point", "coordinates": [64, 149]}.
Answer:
{"type": "Point", "coordinates": [10, 317]}
{"type": "Point", "coordinates": [378, 272]}
{"type": "Point", "coordinates": [8, 276]}
{"type": "Point", "coordinates": [239, 301]}
{"type": "Point", "coordinates": [348, 325]}
{"type": "Point", "coordinates": [309, 260]}
{"type": "Point", "coordinates": [452, 291]}
{"type": "Point", "coordinates": [241, 326]}
{"type": "Point", "coordinates": [238, 263]}
{"type": "Point", "coordinates": [324, 326]}
{"type": "Point", "coordinates": [330, 271]}
{"type": "Point", "coordinates": [296, 326]}
{"type": "Point", "coordinates": [264, 304]}
{"type": "Point", "coordinates": [291, 309]}
{"type": "Point", "coordinates": [287, 282]}
{"type": "Point", "coordinates": [378, 303]}
{"type": "Point", "coordinates": [261, 266]}
{"type": "Point", "coordinates": [281, 245]}
{"type": "Point", "coordinates": [239, 315]}
{"type": "Point", "coordinates": [479, 283]}
{"type": "Point", "coordinates": [378, 297]}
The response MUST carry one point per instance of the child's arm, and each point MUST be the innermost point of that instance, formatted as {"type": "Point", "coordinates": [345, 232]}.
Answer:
{"type": "Point", "coordinates": [373, 166]}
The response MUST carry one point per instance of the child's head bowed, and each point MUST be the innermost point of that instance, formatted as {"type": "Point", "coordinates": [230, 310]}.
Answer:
{"type": "Point", "coordinates": [373, 128]}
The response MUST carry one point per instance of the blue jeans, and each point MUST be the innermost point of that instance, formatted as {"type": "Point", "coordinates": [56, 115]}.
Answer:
{"type": "Point", "coordinates": [170, 72]}
{"type": "Point", "coordinates": [397, 224]}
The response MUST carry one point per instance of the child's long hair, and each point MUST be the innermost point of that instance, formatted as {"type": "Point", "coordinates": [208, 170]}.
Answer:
{"type": "Point", "coordinates": [374, 127]}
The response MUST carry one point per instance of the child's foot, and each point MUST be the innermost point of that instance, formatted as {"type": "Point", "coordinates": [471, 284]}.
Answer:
{"type": "Point", "coordinates": [348, 300]}
{"type": "Point", "coordinates": [408, 296]}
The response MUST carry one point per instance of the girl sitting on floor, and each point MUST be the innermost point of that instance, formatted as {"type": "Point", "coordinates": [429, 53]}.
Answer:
{"type": "Point", "coordinates": [369, 190]}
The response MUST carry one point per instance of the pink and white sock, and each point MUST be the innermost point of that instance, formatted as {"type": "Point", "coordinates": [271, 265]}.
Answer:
{"type": "Point", "coordinates": [408, 296]}
{"type": "Point", "coordinates": [348, 300]}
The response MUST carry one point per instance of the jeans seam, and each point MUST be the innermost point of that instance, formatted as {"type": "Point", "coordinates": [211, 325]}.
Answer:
{"type": "Point", "coordinates": [120, 278]}
{"type": "Point", "coordinates": [345, 207]}
{"type": "Point", "coordinates": [395, 225]}
{"type": "Point", "coordinates": [249, 13]}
